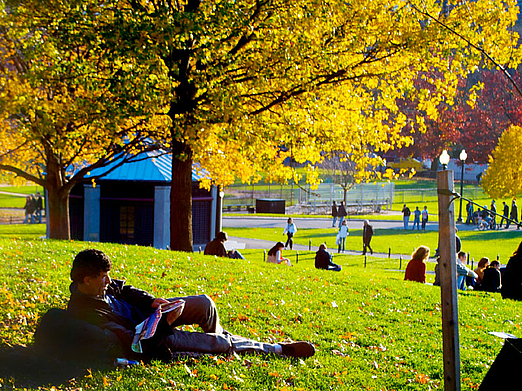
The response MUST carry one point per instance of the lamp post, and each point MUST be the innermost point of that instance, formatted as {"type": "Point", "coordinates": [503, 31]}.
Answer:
{"type": "Point", "coordinates": [463, 156]}
{"type": "Point", "coordinates": [444, 159]}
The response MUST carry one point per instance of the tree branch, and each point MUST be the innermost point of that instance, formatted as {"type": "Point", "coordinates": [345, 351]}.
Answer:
{"type": "Point", "coordinates": [479, 49]}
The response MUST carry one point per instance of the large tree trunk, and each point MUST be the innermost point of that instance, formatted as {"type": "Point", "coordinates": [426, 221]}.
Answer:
{"type": "Point", "coordinates": [58, 190]}
{"type": "Point", "coordinates": [58, 201]}
{"type": "Point", "coordinates": [181, 198]}
{"type": "Point", "coordinates": [58, 198]}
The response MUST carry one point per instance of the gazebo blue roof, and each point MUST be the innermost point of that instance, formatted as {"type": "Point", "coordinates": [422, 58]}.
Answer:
{"type": "Point", "coordinates": [156, 167]}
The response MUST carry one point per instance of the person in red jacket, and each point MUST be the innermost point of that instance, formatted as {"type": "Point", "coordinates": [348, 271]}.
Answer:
{"type": "Point", "coordinates": [416, 269]}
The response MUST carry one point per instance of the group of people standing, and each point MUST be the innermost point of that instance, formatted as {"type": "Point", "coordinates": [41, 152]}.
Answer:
{"type": "Point", "coordinates": [418, 217]}
{"type": "Point", "coordinates": [338, 212]}
{"type": "Point", "coordinates": [33, 208]}
{"type": "Point", "coordinates": [489, 215]}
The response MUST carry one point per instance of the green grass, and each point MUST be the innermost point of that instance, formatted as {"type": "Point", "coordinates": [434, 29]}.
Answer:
{"type": "Point", "coordinates": [16, 231]}
{"type": "Point", "coordinates": [16, 201]}
{"type": "Point", "coordinates": [372, 330]}
{"type": "Point", "coordinates": [477, 243]}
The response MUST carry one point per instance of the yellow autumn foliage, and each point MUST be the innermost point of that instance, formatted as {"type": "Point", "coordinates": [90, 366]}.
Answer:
{"type": "Point", "coordinates": [503, 178]}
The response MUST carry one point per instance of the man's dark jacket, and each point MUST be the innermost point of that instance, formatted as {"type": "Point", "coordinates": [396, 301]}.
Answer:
{"type": "Point", "coordinates": [512, 279]}
{"type": "Point", "coordinates": [95, 310]}
{"type": "Point", "coordinates": [323, 259]}
{"type": "Point", "coordinates": [215, 247]}
{"type": "Point", "coordinates": [367, 233]}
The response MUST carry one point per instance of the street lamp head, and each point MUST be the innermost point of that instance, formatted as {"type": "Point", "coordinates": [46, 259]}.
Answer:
{"type": "Point", "coordinates": [463, 155]}
{"type": "Point", "coordinates": [444, 159]}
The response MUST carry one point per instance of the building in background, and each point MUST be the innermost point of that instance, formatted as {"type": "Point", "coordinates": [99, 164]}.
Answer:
{"type": "Point", "coordinates": [131, 205]}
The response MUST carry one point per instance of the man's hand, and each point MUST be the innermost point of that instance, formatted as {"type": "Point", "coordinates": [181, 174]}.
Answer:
{"type": "Point", "coordinates": [157, 302]}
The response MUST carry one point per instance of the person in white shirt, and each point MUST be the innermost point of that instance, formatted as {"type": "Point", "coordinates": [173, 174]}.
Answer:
{"type": "Point", "coordinates": [290, 231]}
{"type": "Point", "coordinates": [341, 236]}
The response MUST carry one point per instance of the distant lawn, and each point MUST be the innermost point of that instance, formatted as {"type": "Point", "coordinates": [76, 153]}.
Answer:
{"type": "Point", "coordinates": [16, 201]}
{"type": "Point", "coordinates": [27, 231]}
{"type": "Point", "coordinates": [371, 329]}
{"type": "Point", "coordinates": [477, 243]}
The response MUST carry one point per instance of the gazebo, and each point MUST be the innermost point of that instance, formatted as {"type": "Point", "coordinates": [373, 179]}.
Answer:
{"type": "Point", "coordinates": [131, 204]}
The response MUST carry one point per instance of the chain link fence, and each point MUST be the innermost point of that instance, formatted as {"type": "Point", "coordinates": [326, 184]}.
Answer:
{"type": "Point", "coordinates": [301, 199]}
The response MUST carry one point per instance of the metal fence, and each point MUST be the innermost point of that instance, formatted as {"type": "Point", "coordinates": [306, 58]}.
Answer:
{"type": "Point", "coordinates": [362, 198]}
{"type": "Point", "coordinates": [421, 195]}
{"type": "Point", "coordinates": [303, 199]}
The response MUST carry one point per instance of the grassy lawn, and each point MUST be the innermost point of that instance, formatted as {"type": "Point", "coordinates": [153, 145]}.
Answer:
{"type": "Point", "coordinates": [16, 201]}
{"type": "Point", "coordinates": [371, 329]}
{"type": "Point", "coordinates": [477, 243]}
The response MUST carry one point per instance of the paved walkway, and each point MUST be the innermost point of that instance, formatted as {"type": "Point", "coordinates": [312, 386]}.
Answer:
{"type": "Point", "coordinates": [279, 223]}
{"type": "Point", "coordinates": [304, 223]}
{"type": "Point", "coordinates": [13, 194]}
{"type": "Point", "coordinates": [266, 245]}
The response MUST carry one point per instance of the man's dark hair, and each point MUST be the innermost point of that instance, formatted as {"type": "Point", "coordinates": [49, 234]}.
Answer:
{"type": "Point", "coordinates": [222, 236]}
{"type": "Point", "coordinates": [89, 263]}
{"type": "Point", "coordinates": [494, 264]}
{"type": "Point", "coordinates": [461, 254]}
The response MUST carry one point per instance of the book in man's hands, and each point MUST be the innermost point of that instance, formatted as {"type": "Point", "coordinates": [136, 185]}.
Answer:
{"type": "Point", "coordinates": [147, 328]}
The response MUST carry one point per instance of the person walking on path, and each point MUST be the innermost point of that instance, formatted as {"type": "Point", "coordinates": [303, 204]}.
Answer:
{"type": "Point", "coordinates": [341, 236]}
{"type": "Point", "coordinates": [514, 213]}
{"type": "Point", "coordinates": [416, 219]}
{"type": "Point", "coordinates": [367, 236]}
{"type": "Point", "coordinates": [341, 213]}
{"type": "Point", "coordinates": [505, 215]}
{"type": "Point", "coordinates": [29, 207]}
{"type": "Point", "coordinates": [469, 211]}
{"type": "Point", "coordinates": [424, 217]}
{"type": "Point", "coordinates": [493, 213]}
{"type": "Point", "coordinates": [323, 260]}
{"type": "Point", "coordinates": [38, 207]}
{"type": "Point", "coordinates": [406, 215]}
{"type": "Point", "coordinates": [290, 231]}
{"type": "Point", "coordinates": [334, 213]}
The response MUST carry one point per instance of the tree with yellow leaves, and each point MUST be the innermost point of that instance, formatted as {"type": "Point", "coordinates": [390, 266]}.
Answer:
{"type": "Point", "coordinates": [59, 115]}
{"type": "Point", "coordinates": [249, 83]}
{"type": "Point", "coordinates": [503, 178]}
{"type": "Point", "coordinates": [257, 81]}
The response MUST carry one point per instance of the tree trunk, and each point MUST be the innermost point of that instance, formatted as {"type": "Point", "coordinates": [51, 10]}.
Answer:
{"type": "Point", "coordinates": [58, 201]}
{"type": "Point", "coordinates": [181, 198]}
{"type": "Point", "coordinates": [58, 198]}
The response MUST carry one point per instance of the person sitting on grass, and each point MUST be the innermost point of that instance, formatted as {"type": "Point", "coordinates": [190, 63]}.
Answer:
{"type": "Point", "coordinates": [512, 278]}
{"type": "Point", "coordinates": [275, 255]}
{"type": "Point", "coordinates": [416, 269]}
{"type": "Point", "coordinates": [479, 270]}
{"type": "Point", "coordinates": [117, 307]}
{"type": "Point", "coordinates": [323, 260]}
{"type": "Point", "coordinates": [464, 274]}
{"type": "Point", "coordinates": [217, 247]}
{"type": "Point", "coordinates": [492, 282]}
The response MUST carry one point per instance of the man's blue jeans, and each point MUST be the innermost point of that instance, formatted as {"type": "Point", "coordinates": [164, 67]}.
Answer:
{"type": "Point", "coordinates": [406, 219]}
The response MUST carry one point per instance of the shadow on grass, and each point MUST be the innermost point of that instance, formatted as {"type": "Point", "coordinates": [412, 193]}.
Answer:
{"type": "Point", "coordinates": [27, 367]}
{"type": "Point", "coordinates": [493, 235]}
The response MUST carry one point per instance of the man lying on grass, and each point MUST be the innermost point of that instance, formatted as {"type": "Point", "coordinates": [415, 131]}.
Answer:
{"type": "Point", "coordinates": [119, 308]}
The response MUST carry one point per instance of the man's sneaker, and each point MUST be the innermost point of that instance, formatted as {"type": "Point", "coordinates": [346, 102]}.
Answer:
{"type": "Point", "coordinates": [297, 349]}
